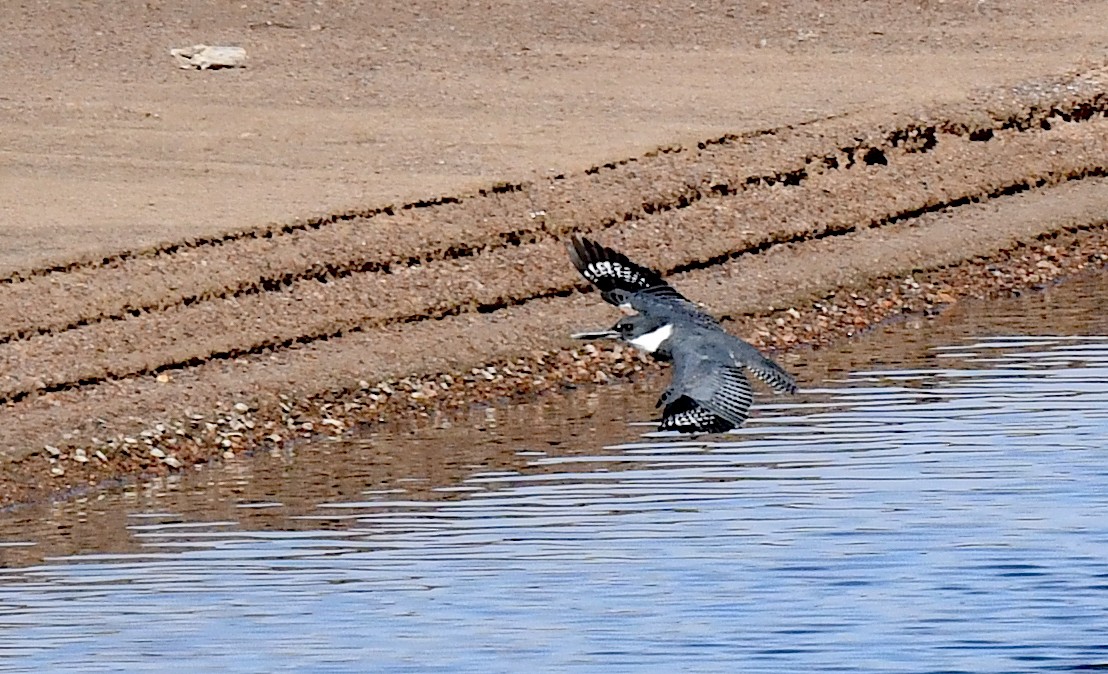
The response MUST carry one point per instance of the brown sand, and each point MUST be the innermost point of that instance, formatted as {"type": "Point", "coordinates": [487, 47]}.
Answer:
{"type": "Point", "coordinates": [153, 319]}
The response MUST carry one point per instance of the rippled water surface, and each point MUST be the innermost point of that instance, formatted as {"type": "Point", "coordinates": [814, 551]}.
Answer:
{"type": "Point", "coordinates": [936, 501]}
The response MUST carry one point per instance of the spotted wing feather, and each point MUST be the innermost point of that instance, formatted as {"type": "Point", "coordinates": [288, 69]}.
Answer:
{"type": "Point", "coordinates": [617, 277]}
{"type": "Point", "coordinates": [685, 415]}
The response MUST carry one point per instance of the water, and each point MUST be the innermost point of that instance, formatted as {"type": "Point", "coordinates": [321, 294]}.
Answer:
{"type": "Point", "coordinates": [937, 503]}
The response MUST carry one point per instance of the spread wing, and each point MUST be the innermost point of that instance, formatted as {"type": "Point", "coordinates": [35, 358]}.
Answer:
{"type": "Point", "coordinates": [616, 277]}
{"type": "Point", "coordinates": [705, 395]}
{"type": "Point", "coordinates": [685, 415]}
{"type": "Point", "coordinates": [629, 285]}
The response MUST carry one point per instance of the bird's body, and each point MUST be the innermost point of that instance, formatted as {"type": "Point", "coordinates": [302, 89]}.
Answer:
{"type": "Point", "coordinates": [709, 391]}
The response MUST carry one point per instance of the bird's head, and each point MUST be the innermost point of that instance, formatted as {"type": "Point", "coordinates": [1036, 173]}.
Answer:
{"type": "Point", "coordinates": [644, 332]}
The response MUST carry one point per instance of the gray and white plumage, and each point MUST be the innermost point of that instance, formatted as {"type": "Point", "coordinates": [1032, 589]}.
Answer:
{"type": "Point", "coordinates": [631, 286]}
{"type": "Point", "coordinates": [709, 391]}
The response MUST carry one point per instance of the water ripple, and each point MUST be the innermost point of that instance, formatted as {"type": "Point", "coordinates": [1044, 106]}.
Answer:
{"type": "Point", "coordinates": [947, 518]}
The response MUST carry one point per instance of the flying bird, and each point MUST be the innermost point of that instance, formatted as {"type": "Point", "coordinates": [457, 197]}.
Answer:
{"type": "Point", "coordinates": [709, 391]}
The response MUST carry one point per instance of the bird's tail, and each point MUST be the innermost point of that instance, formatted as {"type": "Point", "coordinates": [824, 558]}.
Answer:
{"type": "Point", "coordinates": [770, 372]}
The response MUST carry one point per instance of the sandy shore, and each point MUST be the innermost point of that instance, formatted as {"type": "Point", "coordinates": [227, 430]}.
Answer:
{"type": "Point", "coordinates": [128, 348]}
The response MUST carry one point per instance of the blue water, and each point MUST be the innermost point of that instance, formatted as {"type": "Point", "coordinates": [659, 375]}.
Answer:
{"type": "Point", "coordinates": [947, 515]}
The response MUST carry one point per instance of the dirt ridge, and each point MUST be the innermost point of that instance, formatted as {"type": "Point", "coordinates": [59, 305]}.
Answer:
{"type": "Point", "coordinates": [167, 276]}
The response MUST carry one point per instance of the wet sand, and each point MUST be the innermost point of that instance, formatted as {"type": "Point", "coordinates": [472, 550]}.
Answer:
{"type": "Point", "coordinates": [149, 350]}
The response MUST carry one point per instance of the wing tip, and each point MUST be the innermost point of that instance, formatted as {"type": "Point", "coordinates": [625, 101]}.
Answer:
{"type": "Point", "coordinates": [684, 415]}
{"type": "Point", "coordinates": [584, 252]}
{"type": "Point", "coordinates": [575, 248]}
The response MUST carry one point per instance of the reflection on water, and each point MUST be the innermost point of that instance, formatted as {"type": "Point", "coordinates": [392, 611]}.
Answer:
{"type": "Point", "coordinates": [936, 502]}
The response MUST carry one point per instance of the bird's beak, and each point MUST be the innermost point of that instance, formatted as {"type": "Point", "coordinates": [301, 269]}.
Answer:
{"type": "Point", "coordinates": [596, 334]}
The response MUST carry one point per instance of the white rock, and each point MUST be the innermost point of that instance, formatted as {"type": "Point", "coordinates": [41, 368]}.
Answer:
{"type": "Point", "coordinates": [204, 57]}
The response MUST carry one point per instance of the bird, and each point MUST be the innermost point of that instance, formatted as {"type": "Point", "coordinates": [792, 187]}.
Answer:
{"type": "Point", "coordinates": [709, 391]}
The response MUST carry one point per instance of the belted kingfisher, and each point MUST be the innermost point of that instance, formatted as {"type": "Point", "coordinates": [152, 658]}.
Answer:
{"type": "Point", "coordinates": [709, 391]}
